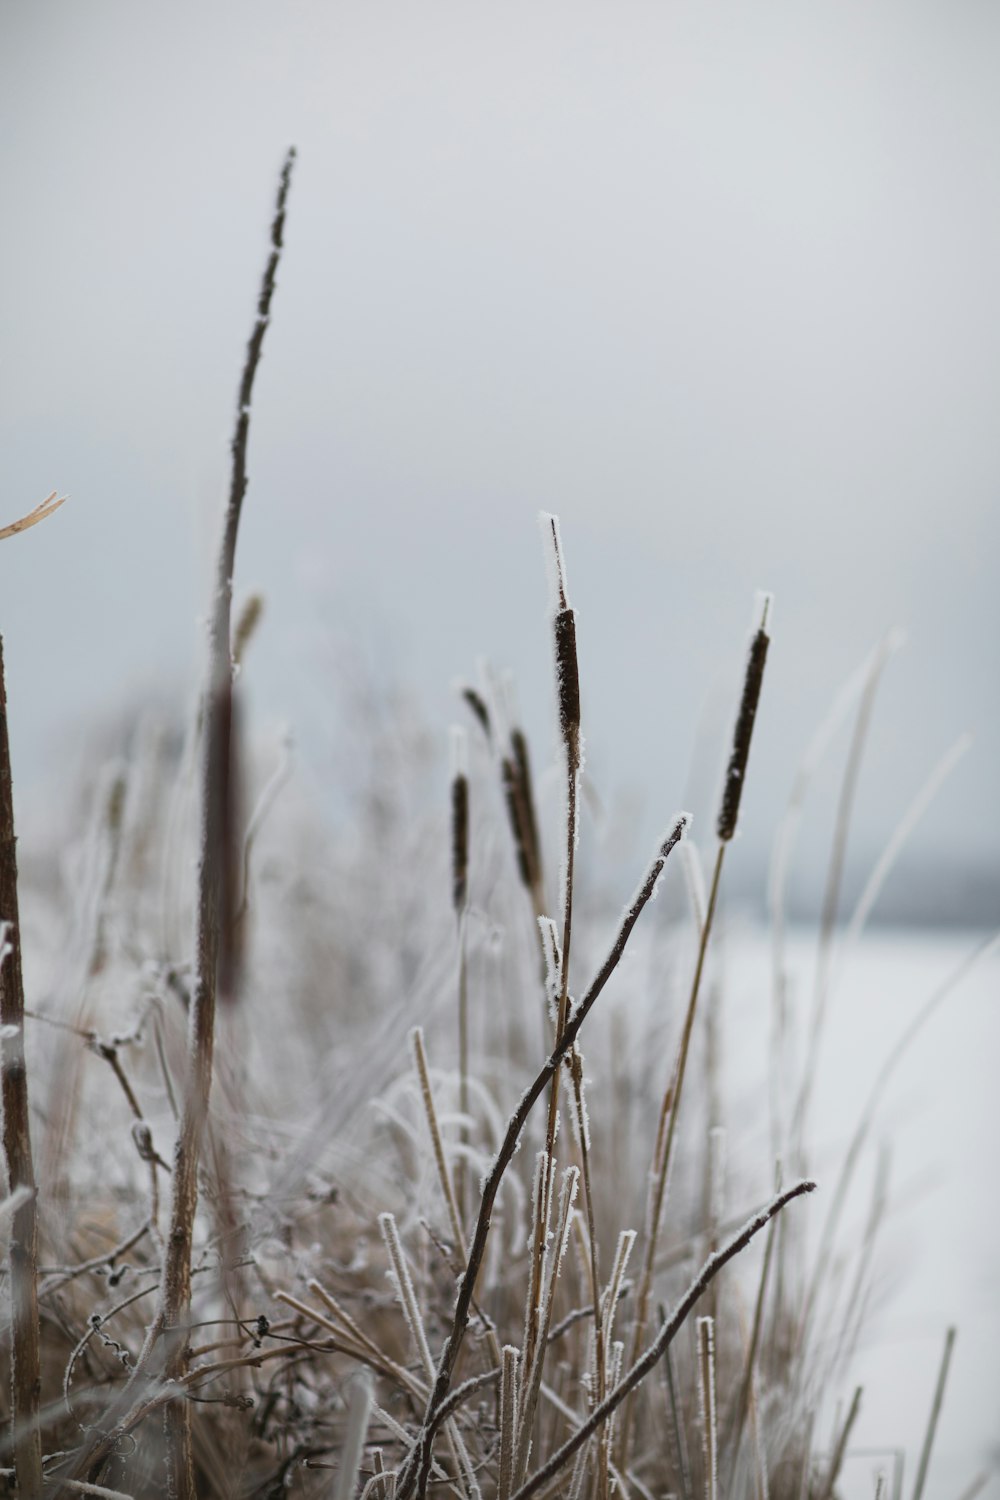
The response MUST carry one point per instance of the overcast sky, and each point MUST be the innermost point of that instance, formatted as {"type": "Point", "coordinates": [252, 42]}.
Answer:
{"type": "Point", "coordinates": [717, 284]}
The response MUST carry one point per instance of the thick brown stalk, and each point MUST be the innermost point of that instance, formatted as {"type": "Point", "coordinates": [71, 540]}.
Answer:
{"type": "Point", "coordinates": [416, 1471]}
{"type": "Point", "coordinates": [22, 1257]}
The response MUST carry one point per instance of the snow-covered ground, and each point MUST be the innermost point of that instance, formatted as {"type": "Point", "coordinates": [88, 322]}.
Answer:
{"type": "Point", "coordinates": [938, 1255]}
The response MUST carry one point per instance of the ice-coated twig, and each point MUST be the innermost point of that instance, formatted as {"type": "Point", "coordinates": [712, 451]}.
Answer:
{"type": "Point", "coordinates": [417, 1467]}
{"type": "Point", "coordinates": [405, 1291]}
{"type": "Point", "coordinates": [661, 1343]}
{"type": "Point", "coordinates": [508, 1421]}
{"type": "Point", "coordinates": [706, 1402]}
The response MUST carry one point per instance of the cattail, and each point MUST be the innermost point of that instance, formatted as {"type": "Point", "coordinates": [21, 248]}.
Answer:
{"type": "Point", "coordinates": [526, 802]}
{"type": "Point", "coordinates": [564, 631]}
{"type": "Point", "coordinates": [743, 732]}
{"type": "Point", "coordinates": [246, 626]}
{"type": "Point", "coordinates": [477, 703]}
{"type": "Point", "coordinates": [459, 820]}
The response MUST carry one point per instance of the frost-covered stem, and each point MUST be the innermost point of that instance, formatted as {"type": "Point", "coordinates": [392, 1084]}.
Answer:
{"type": "Point", "coordinates": [680, 1445]}
{"type": "Point", "coordinates": [932, 1421]}
{"type": "Point", "coordinates": [22, 1254]}
{"type": "Point", "coordinates": [742, 1401]}
{"type": "Point", "coordinates": [444, 1176]}
{"type": "Point", "coordinates": [416, 1470]}
{"type": "Point", "coordinates": [600, 1350]}
{"type": "Point", "coordinates": [508, 1421]}
{"type": "Point", "coordinates": [663, 1153]}
{"type": "Point", "coordinates": [531, 1383]}
{"type": "Point", "coordinates": [568, 687]}
{"type": "Point", "coordinates": [641, 1368]}
{"type": "Point", "coordinates": [706, 1398]}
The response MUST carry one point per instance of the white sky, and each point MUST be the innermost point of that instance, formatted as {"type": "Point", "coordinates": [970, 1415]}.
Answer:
{"type": "Point", "coordinates": [716, 284]}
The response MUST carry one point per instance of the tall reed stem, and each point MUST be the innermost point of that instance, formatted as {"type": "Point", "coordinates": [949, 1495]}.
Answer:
{"type": "Point", "coordinates": [22, 1256]}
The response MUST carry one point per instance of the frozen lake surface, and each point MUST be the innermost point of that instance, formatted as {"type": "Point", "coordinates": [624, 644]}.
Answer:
{"type": "Point", "coordinates": [938, 1255]}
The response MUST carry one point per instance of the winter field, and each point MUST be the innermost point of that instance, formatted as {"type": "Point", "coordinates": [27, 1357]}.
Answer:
{"type": "Point", "coordinates": [317, 1129]}
{"type": "Point", "coordinates": [383, 1121]}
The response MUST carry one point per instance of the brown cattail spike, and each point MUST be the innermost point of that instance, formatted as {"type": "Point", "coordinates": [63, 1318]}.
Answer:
{"type": "Point", "coordinates": [459, 842]}
{"type": "Point", "coordinates": [478, 705]}
{"type": "Point", "coordinates": [459, 819]}
{"type": "Point", "coordinates": [516, 817]}
{"type": "Point", "coordinates": [522, 765]}
{"type": "Point", "coordinates": [742, 734]}
{"type": "Point", "coordinates": [246, 626]}
{"type": "Point", "coordinates": [568, 674]}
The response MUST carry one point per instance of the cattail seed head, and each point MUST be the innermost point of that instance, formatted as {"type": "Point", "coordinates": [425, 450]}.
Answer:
{"type": "Point", "coordinates": [568, 677]}
{"type": "Point", "coordinates": [517, 818]}
{"type": "Point", "coordinates": [729, 810]}
{"type": "Point", "coordinates": [459, 820]}
{"type": "Point", "coordinates": [246, 626]}
{"type": "Point", "coordinates": [477, 703]}
{"type": "Point", "coordinates": [526, 798]}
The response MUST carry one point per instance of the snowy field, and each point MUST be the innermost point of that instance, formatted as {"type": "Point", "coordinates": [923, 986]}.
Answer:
{"type": "Point", "coordinates": [938, 1256]}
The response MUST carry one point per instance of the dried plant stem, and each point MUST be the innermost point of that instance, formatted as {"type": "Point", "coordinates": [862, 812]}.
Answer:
{"type": "Point", "coordinates": [834, 880]}
{"type": "Point", "coordinates": [430, 1112]}
{"type": "Point", "coordinates": [707, 1401]}
{"type": "Point", "coordinates": [169, 1323]}
{"type": "Point", "coordinates": [664, 1148]}
{"type": "Point", "coordinates": [22, 1256]}
{"type": "Point", "coordinates": [661, 1343]}
{"type": "Point", "coordinates": [508, 1421]}
{"type": "Point", "coordinates": [735, 1435]}
{"type": "Point", "coordinates": [932, 1420]}
{"type": "Point", "coordinates": [45, 508]}
{"type": "Point", "coordinates": [572, 787]}
{"type": "Point", "coordinates": [175, 1293]}
{"type": "Point", "coordinates": [417, 1467]}
{"type": "Point", "coordinates": [840, 1447]}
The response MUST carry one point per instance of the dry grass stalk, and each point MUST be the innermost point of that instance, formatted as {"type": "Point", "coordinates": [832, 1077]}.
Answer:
{"type": "Point", "coordinates": [414, 1474]}
{"type": "Point", "coordinates": [840, 1447]}
{"type": "Point", "coordinates": [667, 1126]}
{"type": "Point", "coordinates": [169, 1323]}
{"type": "Point", "coordinates": [22, 1255]}
{"type": "Point", "coordinates": [641, 1368]}
{"type": "Point", "coordinates": [935, 1412]}
{"type": "Point", "coordinates": [41, 512]}
{"type": "Point", "coordinates": [707, 1397]}
{"type": "Point", "coordinates": [508, 1421]}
